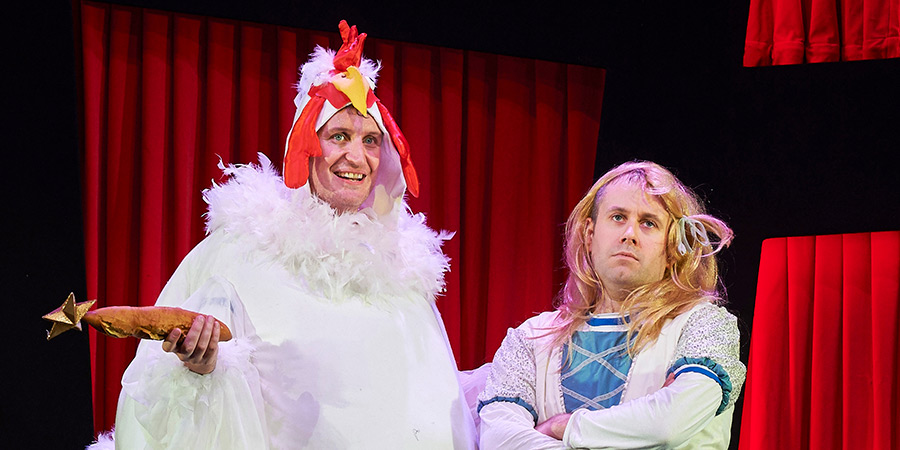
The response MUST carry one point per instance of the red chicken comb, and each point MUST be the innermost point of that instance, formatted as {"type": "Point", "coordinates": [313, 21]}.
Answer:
{"type": "Point", "coordinates": [350, 53]}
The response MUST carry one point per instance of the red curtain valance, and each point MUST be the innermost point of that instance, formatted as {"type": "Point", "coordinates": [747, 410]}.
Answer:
{"type": "Point", "coordinates": [504, 148]}
{"type": "Point", "coordinates": [825, 350]}
{"type": "Point", "coordinates": [811, 31]}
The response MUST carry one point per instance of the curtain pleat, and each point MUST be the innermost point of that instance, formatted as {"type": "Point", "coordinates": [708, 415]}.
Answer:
{"type": "Point", "coordinates": [824, 353]}
{"type": "Point", "coordinates": [885, 350]}
{"type": "Point", "coordinates": [504, 148]}
{"type": "Point", "coordinates": [812, 31]}
{"type": "Point", "coordinates": [827, 313]}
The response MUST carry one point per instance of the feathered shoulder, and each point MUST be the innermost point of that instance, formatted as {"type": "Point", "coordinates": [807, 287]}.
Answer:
{"type": "Point", "coordinates": [340, 256]}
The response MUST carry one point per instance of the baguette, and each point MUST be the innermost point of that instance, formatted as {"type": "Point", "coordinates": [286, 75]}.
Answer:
{"type": "Point", "coordinates": [146, 322]}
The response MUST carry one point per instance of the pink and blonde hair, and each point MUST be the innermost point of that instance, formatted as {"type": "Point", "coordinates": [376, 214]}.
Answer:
{"type": "Point", "coordinates": [689, 278]}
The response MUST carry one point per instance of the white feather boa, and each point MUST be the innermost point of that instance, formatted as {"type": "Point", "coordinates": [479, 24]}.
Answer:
{"type": "Point", "coordinates": [340, 256]}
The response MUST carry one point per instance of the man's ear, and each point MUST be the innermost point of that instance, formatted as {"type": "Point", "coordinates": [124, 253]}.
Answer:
{"type": "Point", "coordinates": [310, 169]}
{"type": "Point", "coordinates": [588, 232]}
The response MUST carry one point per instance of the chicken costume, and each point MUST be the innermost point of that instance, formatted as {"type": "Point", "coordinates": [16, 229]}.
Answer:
{"type": "Point", "coordinates": [337, 340]}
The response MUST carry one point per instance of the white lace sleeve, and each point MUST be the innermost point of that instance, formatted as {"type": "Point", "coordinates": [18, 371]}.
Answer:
{"type": "Point", "coordinates": [710, 345]}
{"type": "Point", "coordinates": [512, 374]}
{"type": "Point", "coordinates": [507, 404]}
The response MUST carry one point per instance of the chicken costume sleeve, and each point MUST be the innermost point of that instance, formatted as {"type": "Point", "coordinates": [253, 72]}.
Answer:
{"type": "Point", "coordinates": [164, 405]}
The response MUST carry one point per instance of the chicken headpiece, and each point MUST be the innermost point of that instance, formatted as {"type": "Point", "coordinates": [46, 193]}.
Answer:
{"type": "Point", "coordinates": [329, 82]}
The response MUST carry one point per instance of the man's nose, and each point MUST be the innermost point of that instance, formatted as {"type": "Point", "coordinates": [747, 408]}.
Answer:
{"type": "Point", "coordinates": [356, 152]}
{"type": "Point", "coordinates": [628, 234]}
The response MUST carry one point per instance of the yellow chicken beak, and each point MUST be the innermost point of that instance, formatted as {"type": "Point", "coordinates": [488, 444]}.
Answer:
{"type": "Point", "coordinates": [354, 86]}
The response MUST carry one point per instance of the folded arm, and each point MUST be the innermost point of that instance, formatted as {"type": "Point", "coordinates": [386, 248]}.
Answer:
{"type": "Point", "coordinates": [704, 381]}
{"type": "Point", "coordinates": [665, 418]}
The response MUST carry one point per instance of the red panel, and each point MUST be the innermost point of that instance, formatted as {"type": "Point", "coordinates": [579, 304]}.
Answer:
{"type": "Point", "coordinates": [826, 341]}
{"type": "Point", "coordinates": [221, 97]}
{"type": "Point", "coordinates": [476, 209]}
{"type": "Point", "coordinates": [823, 35]}
{"type": "Point", "coordinates": [857, 342]}
{"type": "Point", "coordinates": [155, 136]}
{"type": "Point", "coordinates": [792, 32]}
{"type": "Point", "coordinates": [842, 300]}
{"type": "Point", "coordinates": [122, 196]}
{"type": "Point", "coordinates": [763, 424]}
{"type": "Point", "coordinates": [800, 287]}
{"type": "Point", "coordinates": [94, 54]}
{"type": "Point", "coordinates": [885, 366]}
{"type": "Point", "coordinates": [187, 138]}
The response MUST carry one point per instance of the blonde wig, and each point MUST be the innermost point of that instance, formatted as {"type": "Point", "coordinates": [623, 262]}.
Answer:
{"type": "Point", "coordinates": [691, 274]}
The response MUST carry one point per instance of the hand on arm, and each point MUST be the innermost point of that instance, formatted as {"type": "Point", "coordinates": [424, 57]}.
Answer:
{"type": "Point", "coordinates": [200, 348]}
{"type": "Point", "coordinates": [555, 426]}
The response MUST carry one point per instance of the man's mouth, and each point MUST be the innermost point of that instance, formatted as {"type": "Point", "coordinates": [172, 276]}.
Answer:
{"type": "Point", "coordinates": [352, 176]}
{"type": "Point", "coordinates": [626, 254]}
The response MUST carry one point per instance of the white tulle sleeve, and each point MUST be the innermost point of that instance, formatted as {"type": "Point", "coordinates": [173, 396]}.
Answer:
{"type": "Point", "coordinates": [163, 405]}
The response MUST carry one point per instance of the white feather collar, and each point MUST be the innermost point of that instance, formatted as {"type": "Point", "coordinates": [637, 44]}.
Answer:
{"type": "Point", "coordinates": [340, 256]}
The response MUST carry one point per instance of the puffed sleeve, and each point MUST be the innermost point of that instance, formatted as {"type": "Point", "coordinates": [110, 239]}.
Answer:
{"type": "Point", "coordinates": [710, 345]}
{"type": "Point", "coordinates": [164, 405]}
{"type": "Point", "coordinates": [507, 404]}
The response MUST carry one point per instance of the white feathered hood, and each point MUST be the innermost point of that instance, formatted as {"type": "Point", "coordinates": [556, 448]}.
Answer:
{"type": "Point", "coordinates": [329, 82]}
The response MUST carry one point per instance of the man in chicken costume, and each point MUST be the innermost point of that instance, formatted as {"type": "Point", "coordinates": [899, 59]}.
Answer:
{"type": "Point", "coordinates": [328, 288]}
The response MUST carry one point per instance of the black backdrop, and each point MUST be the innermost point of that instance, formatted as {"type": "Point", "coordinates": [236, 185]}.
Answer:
{"type": "Point", "coordinates": [777, 151]}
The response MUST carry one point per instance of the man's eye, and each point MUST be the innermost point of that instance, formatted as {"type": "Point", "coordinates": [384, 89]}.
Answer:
{"type": "Point", "coordinates": [369, 140]}
{"type": "Point", "coordinates": [650, 224]}
{"type": "Point", "coordinates": [618, 217]}
{"type": "Point", "coordinates": [338, 137]}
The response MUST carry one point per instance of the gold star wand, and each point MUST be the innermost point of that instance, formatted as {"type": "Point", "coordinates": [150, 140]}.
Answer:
{"type": "Point", "coordinates": [67, 316]}
{"type": "Point", "coordinates": [144, 322]}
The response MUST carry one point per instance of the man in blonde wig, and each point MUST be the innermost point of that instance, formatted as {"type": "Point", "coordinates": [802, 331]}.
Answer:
{"type": "Point", "coordinates": [638, 354]}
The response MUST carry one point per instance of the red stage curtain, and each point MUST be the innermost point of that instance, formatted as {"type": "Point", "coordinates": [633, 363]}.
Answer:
{"type": "Point", "coordinates": [504, 148]}
{"type": "Point", "coordinates": [825, 350]}
{"type": "Point", "coordinates": [810, 31]}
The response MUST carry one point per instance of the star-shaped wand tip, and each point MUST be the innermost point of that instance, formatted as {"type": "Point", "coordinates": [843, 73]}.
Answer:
{"type": "Point", "coordinates": [67, 316]}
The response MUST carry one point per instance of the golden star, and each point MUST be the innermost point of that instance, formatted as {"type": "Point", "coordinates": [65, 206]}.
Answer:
{"type": "Point", "coordinates": [67, 316]}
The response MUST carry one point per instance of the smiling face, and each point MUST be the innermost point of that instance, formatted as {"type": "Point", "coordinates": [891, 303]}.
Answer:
{"type": "Point", "coordinates": [627, 242]}
{"type": "Point", "coordinates": [351, 150]}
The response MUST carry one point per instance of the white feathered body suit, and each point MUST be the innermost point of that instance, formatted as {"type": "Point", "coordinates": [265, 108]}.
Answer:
{"type": "Point", "coordinates": [337, 343]}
